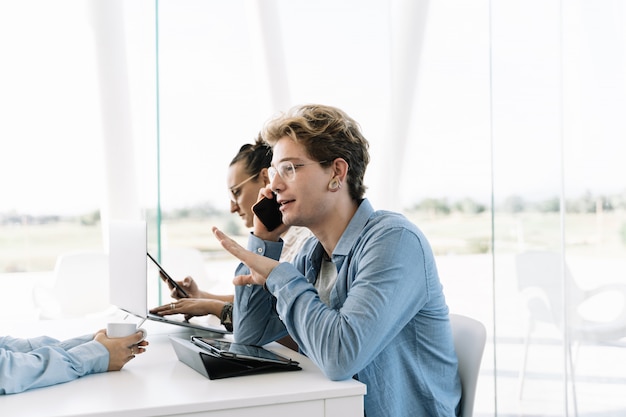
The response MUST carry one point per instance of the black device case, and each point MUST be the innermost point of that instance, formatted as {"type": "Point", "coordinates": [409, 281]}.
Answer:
{"type": "Point", "coordinates": [218, 367]}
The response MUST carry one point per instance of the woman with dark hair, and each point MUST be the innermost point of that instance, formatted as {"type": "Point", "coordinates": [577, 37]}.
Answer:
{"type": "Point", "coordinates": [247, 174]}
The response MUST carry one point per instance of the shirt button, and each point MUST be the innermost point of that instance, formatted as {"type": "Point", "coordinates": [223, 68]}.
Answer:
{"type": "Point", "coordinates": [259, 250]}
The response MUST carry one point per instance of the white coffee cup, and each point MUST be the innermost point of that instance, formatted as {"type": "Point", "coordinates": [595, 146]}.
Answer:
{"type": "Point", "coordinates": [124, 329]}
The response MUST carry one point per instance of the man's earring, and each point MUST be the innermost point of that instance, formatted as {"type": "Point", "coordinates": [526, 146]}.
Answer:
{"type": "Point", "coordinates": [334, 185]}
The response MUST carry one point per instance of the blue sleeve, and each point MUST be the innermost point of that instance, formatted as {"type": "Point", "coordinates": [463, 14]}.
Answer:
{"type": "Point", "coordinates": [255, 320]}
{"type": "Point", "coordinates": [43, 361]}
{"type": "Point", "coordinates": [387, 279]}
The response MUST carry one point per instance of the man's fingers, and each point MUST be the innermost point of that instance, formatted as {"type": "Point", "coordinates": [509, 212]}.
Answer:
{"type": "Point", "coordinates": [230, 245]}
{"type": "Point", "coordinates": [260, 266]}
{"type": "Point", "coordinates": [243, 280]}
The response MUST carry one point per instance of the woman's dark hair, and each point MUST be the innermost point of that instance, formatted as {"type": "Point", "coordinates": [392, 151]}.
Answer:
{"type": "Point", "coordinates": [255, 156]}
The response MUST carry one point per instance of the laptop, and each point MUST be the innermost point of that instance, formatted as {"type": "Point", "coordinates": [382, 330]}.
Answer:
{"type": "Point", "coordinates": [134, 279]}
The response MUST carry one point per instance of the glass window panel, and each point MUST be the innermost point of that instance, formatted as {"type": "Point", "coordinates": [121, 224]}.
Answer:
{"type": "Point", "coordinates": [51, 161]}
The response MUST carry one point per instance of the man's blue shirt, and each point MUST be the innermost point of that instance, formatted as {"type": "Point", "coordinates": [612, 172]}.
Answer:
{"type": "Point", "coordinates": [387, 323]}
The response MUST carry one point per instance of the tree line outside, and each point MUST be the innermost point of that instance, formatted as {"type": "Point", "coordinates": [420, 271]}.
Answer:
{"type": "Point", "coordinates": [462, 226]}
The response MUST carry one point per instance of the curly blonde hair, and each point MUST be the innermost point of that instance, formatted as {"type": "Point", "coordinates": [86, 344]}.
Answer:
{"type": "Point", "coordinates": [326, 133]}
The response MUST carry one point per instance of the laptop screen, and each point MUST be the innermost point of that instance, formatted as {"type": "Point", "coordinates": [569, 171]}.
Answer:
{"type": "Point", "coordinates": [131, 281]}
{"type": "Point", "coordinates": [128, 267]}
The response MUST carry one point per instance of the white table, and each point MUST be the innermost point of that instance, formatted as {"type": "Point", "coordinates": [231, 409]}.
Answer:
{"type": "Point", "coordinates": [157, 384]}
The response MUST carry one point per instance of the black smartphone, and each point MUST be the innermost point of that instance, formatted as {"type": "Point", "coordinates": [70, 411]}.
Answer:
{"type": "Point", "coordinates": [166, 277]}
{"type": "Point", "coordinates": [268, 211]}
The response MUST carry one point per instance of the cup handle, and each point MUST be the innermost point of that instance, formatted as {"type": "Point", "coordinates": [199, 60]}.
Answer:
{"type": "Point", "coordinates": [144, 332]}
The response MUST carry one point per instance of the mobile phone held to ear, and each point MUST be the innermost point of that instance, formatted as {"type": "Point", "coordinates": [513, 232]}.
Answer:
{"type": "Point", "coordinates": [268, 211]}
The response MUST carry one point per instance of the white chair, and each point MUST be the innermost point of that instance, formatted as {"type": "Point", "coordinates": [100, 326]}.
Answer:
{"type": "Point", "coordinates": [80, 289]}
{"type": "Point", "coordinates": [470, 337]}
{"type": "Point", "coordinates": [541, 278]}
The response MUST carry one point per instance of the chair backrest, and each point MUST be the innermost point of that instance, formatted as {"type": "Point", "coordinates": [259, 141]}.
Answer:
{"type": "Point", "coordinates": [470, 337]}
{"type": "Point", "coordinates": [82, 282]}
{"type": "Point", "coordinates": [540, 276]}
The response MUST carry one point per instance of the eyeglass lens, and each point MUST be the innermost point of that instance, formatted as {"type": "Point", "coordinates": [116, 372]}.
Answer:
{"type": "Point", "coordinates": [286, 170]}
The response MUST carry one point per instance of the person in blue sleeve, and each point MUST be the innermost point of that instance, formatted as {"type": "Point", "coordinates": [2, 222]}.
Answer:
{"type": "Point", "coordinates": [43, 361]}
{"type": "Point", "coordinates": [363, 297]}
{"type": "Point", "coordinates": [247, 174]}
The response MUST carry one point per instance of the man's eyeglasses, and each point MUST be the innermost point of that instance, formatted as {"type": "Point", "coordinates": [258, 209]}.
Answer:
{"type": "Point", "coordinates": [287, 170]}
{"type": "Point", "coordinates": [235, 190]}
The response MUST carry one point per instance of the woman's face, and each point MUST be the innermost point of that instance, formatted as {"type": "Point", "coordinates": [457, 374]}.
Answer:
{"type": "Point", "coordinates": [243, 190]}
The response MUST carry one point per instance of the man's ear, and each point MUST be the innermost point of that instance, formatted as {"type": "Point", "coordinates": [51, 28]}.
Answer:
{"type": "Point", "coordinates": [340, 169]}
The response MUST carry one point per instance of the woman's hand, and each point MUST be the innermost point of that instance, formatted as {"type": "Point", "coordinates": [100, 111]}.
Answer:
{"type": "Point", "coordinates": [189, 285]}
{"type": "Point", "coordinates": [121, 349]}
{"type": "Point", "coordinates": [260, 266]}
{"type": "Point", "coordinates": [190, 307]}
